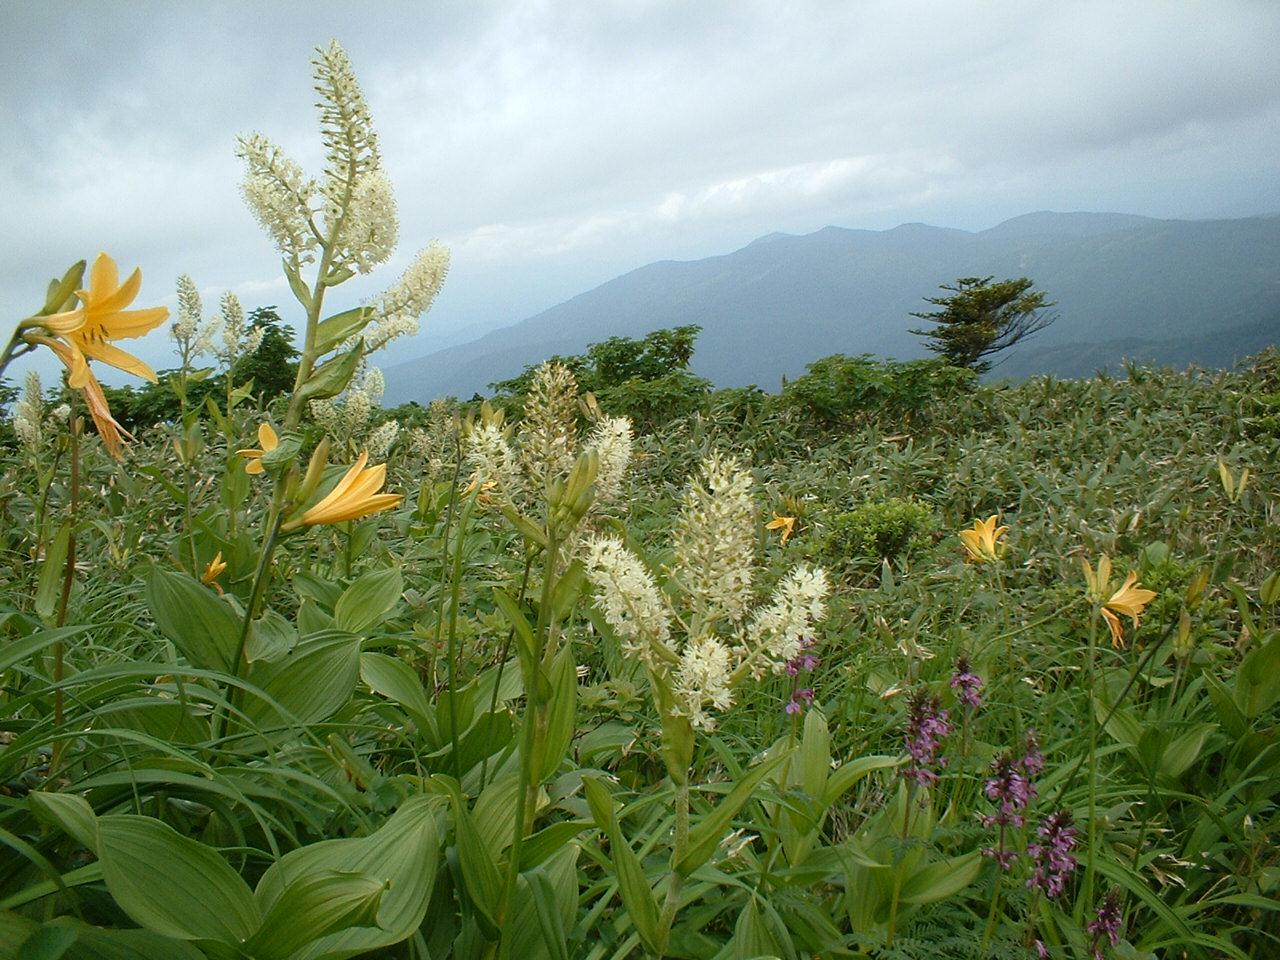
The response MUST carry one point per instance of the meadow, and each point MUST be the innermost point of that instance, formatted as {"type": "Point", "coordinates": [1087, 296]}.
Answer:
{"type": "Point", "coordinates": [893, 663]}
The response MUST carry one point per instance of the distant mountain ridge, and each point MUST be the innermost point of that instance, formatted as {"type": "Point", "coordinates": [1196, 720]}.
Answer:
{"type": "Point", "coordinates": [1170, 291]}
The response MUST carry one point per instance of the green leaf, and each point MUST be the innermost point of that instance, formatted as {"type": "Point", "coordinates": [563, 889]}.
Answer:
{"type": "Point", "coordinates": [315, 906]}
{"type": "Point", "coordinates": [403, 854]}
{"type": "Point", "coordinates": [480, 875]}
{"type": "Point", "coordinates": [368, 601]}
{"type": "Point", "coordinates": [332, 331]}
{"type": "Point", "coordinates": [204, 628]}
{"type": "Point", "coordinates": [48, 943]}
{"type": "Point", "coordinates": [844, 777]}
{"type": "Point", "coordinates": [172, 885]}
{"type": "Point", "coordinates": [271, 637]}
{"type": "Point", "coordinates": [331, 377]}
{"type": "Point", "coordinates": [1258, 679]}
{"type": "Point", "coordinates": [296, 285]}
{"type": "Point", "coordinates": [312, 683]}
{"type": "Point", "coordinates": [563, 713]}
{"type": "Point", "coordinates": [940, 880]}
{"type": "Point", "coordinates": [69, 812]}
{"type": "Point", "coordinates": [515, 616]}
{"type": "Point", "coordinates": [707, 834]}
{"type": "Point", "coordinates": [396, 680]}
{"type": "Point", "coordinates": [550, 922]}
{"type": "Point", "coordinates": [567, 589]}
{"type": "Point", "coordinates": [815, 754]}
{"type": "Point", "coordinates": [757, 935]}
{"type": "Point", "coordinates": [1184, 750]}
{"type": "Point", "coordinates": [52, 574]}
{"type": "Point", "coordinates": [633, 886]}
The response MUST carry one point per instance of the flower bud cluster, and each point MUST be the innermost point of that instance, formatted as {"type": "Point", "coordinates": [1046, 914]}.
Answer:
{"type": "Point", "coordinates": [721, 645]}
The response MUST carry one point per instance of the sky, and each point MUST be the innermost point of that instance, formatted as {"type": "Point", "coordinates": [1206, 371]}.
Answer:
{"type": "Point", "coordinates": [555, 145]}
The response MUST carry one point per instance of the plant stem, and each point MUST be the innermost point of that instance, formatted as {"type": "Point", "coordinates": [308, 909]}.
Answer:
{"type": "Point", "coordinates": [64, 600]}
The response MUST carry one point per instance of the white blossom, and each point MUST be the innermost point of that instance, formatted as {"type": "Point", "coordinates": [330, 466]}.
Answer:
{"type": "Point", "coordinates": [279, 194]}
{"type": "Point", "coordinates": [400, 307]}
{"type": "Point", "coordinates": [492, 460]}
{"type": "Point", "coordinates": [715, 541]}
{"type": "Point", "coordinates": [611, 439]}
{"type": "Point", "coordinates": [548, 433]}
{"type": "Point", "coordinates": [28, 413]}
{"type": "Point", "coordinates": [627, 596]}
{"type": "Point", "coordinates": [703, 678]}
{"type": "Point", "coordinates": [777, 631]}
{"type": "Point", "coordinates": [382, 438]}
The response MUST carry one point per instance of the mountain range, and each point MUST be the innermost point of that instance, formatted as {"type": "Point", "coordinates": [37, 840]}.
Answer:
{"type": "Point", "coordinates": [1173, 292]}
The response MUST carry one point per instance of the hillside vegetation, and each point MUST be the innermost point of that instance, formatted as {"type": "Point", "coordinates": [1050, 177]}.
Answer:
{"type": "Point", "coordinates": [1169, 292]}
{"type": "Point", "coordinates": [611, 665]}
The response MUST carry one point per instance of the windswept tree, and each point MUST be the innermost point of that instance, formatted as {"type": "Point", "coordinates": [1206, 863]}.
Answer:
{"type": "Point", "coordinates": [980, 318]}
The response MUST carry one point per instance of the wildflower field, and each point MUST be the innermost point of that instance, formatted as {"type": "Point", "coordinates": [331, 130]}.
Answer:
{"type": "Point", "coordinates": [891, 664]}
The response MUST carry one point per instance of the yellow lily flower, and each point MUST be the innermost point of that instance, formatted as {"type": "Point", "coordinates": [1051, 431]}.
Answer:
{"type": "Point", "coordinates": [355, 496]}
{"type": "Point", "coordinates": [101, 318]}
{"type": "Point", "coordinates": [981, 541]}
{"type": "Point", "coordinates": [267, 437]}
{"type": "Point", "coordinates": [786, 524]}
{"type": "Point", "coordinates": [108, 428]}
{"type": "Point", "coordinates": [1128, 601]}
{"type": "Point", "coordinates": [213, 571]}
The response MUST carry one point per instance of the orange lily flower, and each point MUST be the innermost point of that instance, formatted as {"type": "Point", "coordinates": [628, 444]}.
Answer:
{"type": "Point", "coordinates": [101, 318]}
{"type": "Point", "coordinates": [786, 524]}
{"type": "Point", "coordinates": [355, 496]}
{"type": "Point", "coordinates": [267, 437]}
{"type": "Point", "coordinates": [213, 571]}
{"type": "Point", "coordinates": [1128, 601]}
{"type": "Point", "coordinates": [981, 541]}
{"type": "Point", "coordinates": [108, 428]}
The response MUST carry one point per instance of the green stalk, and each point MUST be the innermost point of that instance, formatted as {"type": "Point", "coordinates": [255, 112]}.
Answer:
{"type": "Point", "coordinates": [676, 883]}
{"type": "Point", "coordinates": [64, 600]}
{"type": "Point", "coordinates": [533, 733]}
{"type": "Point", "coordinates": [1087, 896]}
{"type": "Point", "coordinates": [455, 595]}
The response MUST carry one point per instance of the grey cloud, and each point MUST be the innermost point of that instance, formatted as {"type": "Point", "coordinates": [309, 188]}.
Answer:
{"type": "Point", "coordinates": [554, 144]}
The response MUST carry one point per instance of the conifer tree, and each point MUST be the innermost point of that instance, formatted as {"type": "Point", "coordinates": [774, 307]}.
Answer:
{"type": "Point", "coordinates": [981, 317]}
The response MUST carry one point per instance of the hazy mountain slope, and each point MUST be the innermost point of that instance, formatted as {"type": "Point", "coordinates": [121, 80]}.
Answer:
{"type": "Point", "coordinates": [1176, 291]}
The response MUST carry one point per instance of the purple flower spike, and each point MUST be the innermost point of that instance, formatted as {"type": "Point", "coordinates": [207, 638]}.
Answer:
{"type": "Point", "coordinates": [799, 700]}
{"type": "Point", "coordinates": [1051, 854]}
{"type": "Point", "coordinates": [1107, 924]}
{"type": "Point", "coordinates": [927, 724]}
{"type": "Point", "coordinates": [966, 684]}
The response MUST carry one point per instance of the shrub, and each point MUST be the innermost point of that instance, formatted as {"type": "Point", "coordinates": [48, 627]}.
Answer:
{"type": "Point", "coordinates": [842, 391]}
{"type": "Point", "coordinates": [880, 530]}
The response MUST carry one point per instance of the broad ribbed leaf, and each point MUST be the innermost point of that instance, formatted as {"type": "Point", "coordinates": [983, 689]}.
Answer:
{"type": "Point", "coordinates": [172, 885]}
{"type": "Point", "coordinates": [315, 906]}
{"type": "Point", "coordinates": [403, 853]}
{"type": "Point", "coordinates": [71, 813]}
{"type": "Point", "coordinates": [204, 628]}
{"type": "Point", "coordinates": [310, 684]}
{"type": "Point", "coordinates": [367, 601]}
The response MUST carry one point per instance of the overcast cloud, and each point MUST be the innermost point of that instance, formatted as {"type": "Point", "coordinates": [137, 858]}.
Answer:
{"type": "Point", "coordinates": [555, 145]}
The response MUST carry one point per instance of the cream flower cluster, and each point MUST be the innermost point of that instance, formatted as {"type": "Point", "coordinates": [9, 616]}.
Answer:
{"type": "Point", "coordinates": [280, 196]}
{"type": "Point", "coordinates": [28, 413]}
{"type": "Point", "coordinates": [194, 338]}
{"type": "Point", "coordinates": [629, 599]}
{"type": "Point", "coordinates": [547, 444]}
{"type": "Point", "coordinates": [345, 419]}
{"type": "Point", "coordinates": [549, 430]}
{"type": "Point", "coordinates": [400, 307]}
{"type": "Point", "coordinates": [715, 541]}
{"type": "Point", "coordinates": [491, 459]}
{"type": "Point", "coordinates": [611, 438]}
{"type": "Point", "coordinates": [721, 646]}
{"type": "Point", "coordinates": [434, 443]}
